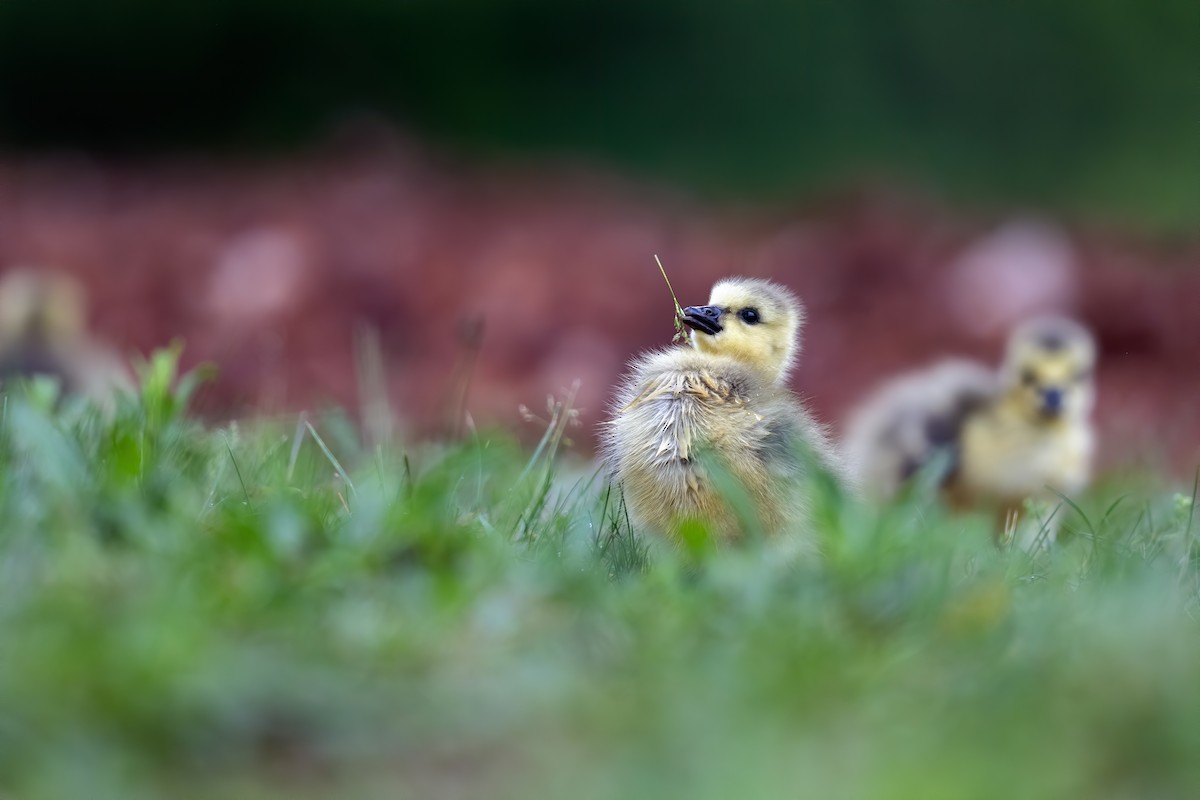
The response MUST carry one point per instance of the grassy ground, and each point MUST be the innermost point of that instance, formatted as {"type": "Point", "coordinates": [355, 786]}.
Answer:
{"type": "Point", "coordinates": [280, 610]}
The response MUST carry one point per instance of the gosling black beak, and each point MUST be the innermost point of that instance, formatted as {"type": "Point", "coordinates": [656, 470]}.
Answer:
{"type": "Point", "coordinates": [1052, 403]}
{"type": "Point", "coordinates": [703, 318]}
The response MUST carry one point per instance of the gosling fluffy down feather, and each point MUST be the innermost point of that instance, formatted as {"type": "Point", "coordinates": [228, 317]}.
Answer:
{"type": "Point", "coordinates": [912, 420]}
{"type": "Point", "coordinates": [720, 405]}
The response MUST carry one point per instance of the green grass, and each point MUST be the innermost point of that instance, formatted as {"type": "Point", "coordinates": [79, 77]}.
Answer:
{"type": "Point", "coordinates": [253, 611]}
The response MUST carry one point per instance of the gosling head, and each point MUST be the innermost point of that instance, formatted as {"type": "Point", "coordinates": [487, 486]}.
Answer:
{"type": "Point", "coordinates": [43, 306]}
{"type": "Point", "coordinates": [1048, 370]}
{"type": "Point", "coordinates": [753, 320]}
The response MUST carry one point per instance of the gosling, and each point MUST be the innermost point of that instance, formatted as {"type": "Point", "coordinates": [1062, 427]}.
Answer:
{"type": "Point", "coordinates": [689, 421]}
{"type": "Point", "coordinates": [999, 438]}
{"type": "Point", "coordinates": [43, 332]}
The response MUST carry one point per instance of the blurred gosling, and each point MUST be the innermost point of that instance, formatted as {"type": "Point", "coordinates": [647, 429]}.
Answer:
{"type": "Point", "coordinates": [1003, 437]}
{"type": "Point", "coordinates": [43, 332]}
{"type": "Point", "coordinates": [721, 403]}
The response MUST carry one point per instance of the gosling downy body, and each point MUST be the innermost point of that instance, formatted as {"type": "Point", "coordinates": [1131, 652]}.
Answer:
{"type": "Point", "coordinates": [912, 420]}
{"type": "Point", "coordinates": [1022, 432]}
{"type": "Point", "coordinates": [43, 332]}
{"type": "Point", "coordinates": [693, 422]}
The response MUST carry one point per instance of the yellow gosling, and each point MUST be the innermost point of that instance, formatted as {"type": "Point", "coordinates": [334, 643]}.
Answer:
{"type": "Point", "coordinates": [689, 420]}
{"type": "Point", "coordinates": [1007, 437]}
{"type": "Point", "coordinates": [1036, 438]}
{"type": "Point", "coordinates": [43, 332]}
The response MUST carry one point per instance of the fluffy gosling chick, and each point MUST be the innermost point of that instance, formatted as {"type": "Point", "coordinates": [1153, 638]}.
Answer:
{"type": "Point", "coordinates": [1037, 435]}
{"type": "Point", "coordinates": [43, 332]}
{"type": "Point", "coordinates": [722, 398]}
{"type": "Point", "coordinates": [1022, 432]}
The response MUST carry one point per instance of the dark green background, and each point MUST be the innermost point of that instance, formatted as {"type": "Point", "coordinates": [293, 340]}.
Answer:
{"type": "Point", "coordinates": [1087, 105]}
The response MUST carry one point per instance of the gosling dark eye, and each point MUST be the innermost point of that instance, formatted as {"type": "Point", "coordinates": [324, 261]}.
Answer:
{"type": "Point", "coordinates": [1028, 378]}
{"type": "Point", "coordinates": [749, 316]}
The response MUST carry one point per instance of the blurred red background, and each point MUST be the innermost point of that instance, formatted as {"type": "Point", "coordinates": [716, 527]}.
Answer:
{"type": "Point", "coordinates": [269, 267]}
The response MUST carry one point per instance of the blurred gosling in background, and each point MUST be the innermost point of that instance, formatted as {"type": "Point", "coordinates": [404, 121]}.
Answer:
{"type": "Point", "coordinates": [43, 331]}
{"type": "Point", "coordinates": [1000, 438]}
{"type": "Point", "coordinates": [721, 403]}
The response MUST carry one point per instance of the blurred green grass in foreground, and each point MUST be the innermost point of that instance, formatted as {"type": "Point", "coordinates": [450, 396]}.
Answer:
{"type": "Point", "coordinates": [279, 610]}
